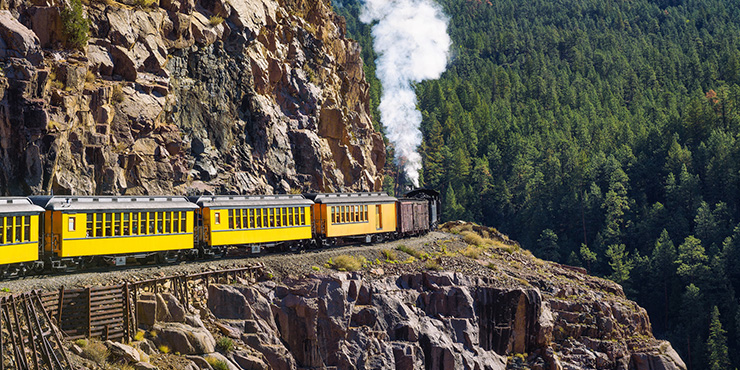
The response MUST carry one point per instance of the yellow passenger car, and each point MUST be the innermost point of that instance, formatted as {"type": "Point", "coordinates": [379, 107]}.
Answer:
{"type": "Point", "coordinates": [19, 226]}
{"type": "Point", "coordinates": [255, 221]}
{"type": "Point", "coordinates": [340, 215]}
{"type": "Point", "coordinates": [99, 225]}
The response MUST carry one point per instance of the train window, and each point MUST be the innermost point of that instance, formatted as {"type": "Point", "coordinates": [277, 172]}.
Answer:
{"type": "Point", "coordinates": [9, 229]}
{"type": "Point", "coordinates": [18, 229]}
{"type": "Point", "coordinates": [295, 216]}
{"type": "Point", "coordinates": [168, 222]}
{"type": "Point", "coordinates": [265, 218]}
{"type": "Point", "coordinates": [342, 214]}
{"type": "Point", "coordinates": [108, 224]}
{"type": "Point", "coordinates": [271, 213]}
{"type": "Point", "coordinates": [126, 224]}
{"type": "Point", "coordinates": [98, 224]}
{"type": "Point", "coordinates": [303, 215]}
{"type": "Point", "coordinates": [183, 222]}
{"type": "Point", "coordinates": [143, 222]}
{"type": "Point", "coordinates": [366, 215]}
{"type": "Point", "coordinates": [175, 222]}
{"type": "Point", "coordinates": [217, 218]}
{"type": "Point", "coordinates": [245, 219]}
{"type": "Point", "coordinates": [2, 230]}
{"type": "Point", "coordinates": [135, 223]}
{"type": "Point", "coordinates": [117, 224]}
{"type": "Point", "coordinates": [278, 217]}
{"type": "Point", "coordinates": [238, 219]}
{"type": "Point", "coordinates": [251, 218]}
{"type": "Point", "coordinates": [27, 227]}
{"type": "Point", "coordinates": [90, 225]}
{"type": "Point", "coordinates": [152, 222]}
{"type": "Point", "coordinates": [258, 216]}
{"type": "Point", "coordinates": [71, 224]}
{"type": "Point", "coordinates": [231, 219]}
{"type": "Point", "coordinates": [160, 219]}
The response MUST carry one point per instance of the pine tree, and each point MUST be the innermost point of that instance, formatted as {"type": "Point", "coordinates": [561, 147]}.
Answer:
{"type": "Point", "coordinates": [717, 344]}
{"type": "Point", "coordinates": [620, 263]}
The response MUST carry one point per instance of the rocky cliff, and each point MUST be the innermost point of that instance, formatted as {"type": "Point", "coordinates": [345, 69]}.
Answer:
{"type": "Point", "coordinates": [449, 308]}
{"type": "Point", "coordinates": [178, 96]}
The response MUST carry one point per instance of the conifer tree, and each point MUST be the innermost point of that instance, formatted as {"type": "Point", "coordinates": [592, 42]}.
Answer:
{"type": "Point", "coordinates": [717, 344]}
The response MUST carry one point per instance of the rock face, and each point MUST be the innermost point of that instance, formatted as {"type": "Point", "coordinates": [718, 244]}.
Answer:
{"type": "Point", "coordinates": [187, 96]}
{"type": "Point", "coordinates": [439, 321]}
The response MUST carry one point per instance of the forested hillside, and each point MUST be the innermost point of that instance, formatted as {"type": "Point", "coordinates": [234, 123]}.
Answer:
{"type": "Point", "coordinates": [602, 134]}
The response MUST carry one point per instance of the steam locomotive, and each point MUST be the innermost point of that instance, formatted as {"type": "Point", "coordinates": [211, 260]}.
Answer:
{"type": "Point", "coordinates": [63, 233]}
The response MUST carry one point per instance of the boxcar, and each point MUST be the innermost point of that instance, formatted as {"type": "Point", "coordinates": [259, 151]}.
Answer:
{"type": "Point", "coordinates": [353, 215]}
{"type": "Point", "coordinates": [94, 226]}
{"type": "Point", "coordinates": [413, 216]}
{"type": "Point", "coordinates": [255, 221]}
{"type": "Point", "coordinates": [19, 237]}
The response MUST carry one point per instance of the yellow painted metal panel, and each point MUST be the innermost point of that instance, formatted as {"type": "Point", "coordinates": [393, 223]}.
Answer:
{"type": "Point", "coordinates": [262, 219]}
{"type": "Point", "coordinates": [120, 245]}
{"type": "Point", "coordinates": [22, 251]}
{"type": "Point", "coordinates": [388, 214]}
{"type": "Point", "coordinates": [251, 236]}
{"type": "Point", "coordinates": [73, 239]}
{"type": "Point", "coordinates": [19, 253]}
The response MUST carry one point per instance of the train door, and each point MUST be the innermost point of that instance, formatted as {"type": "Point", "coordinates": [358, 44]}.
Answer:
{"type": "Point", "coordinates": [378, 217]}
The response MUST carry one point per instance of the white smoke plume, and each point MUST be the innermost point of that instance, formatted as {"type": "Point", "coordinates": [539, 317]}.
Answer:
{"type": "Point", "coordinates": [410, 38]}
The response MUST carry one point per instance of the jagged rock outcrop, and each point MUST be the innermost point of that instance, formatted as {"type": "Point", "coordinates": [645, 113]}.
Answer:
{"type": "Point", "coordinates": [183, 96]}
{"type": "Point", "coordinates": [440, 321]}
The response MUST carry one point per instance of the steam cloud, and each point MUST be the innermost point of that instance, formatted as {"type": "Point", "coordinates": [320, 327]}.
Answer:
{"type": "Point", "coordinates": [412, 45]}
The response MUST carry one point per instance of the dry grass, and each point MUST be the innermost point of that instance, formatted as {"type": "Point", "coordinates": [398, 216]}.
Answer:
{"type": "Point", "coordinates": [471, 252]}
{"type": "Point", "coordinates": [117, 95]}
{"type": "Point", "coordinates": [96, 351]}
{"type": "Point", "coordinates": [432, 264]}
{"type": "Point", "coordinates": [345, 263]}
{"type": "Point", "coordinates": [215, 20]}
{"type": "Point", "coordinates": [473, 238]}
{"type": "Point", "coordinates": [217, 364]}
{"type": "Point", "coordinates": [410, 251]}
{"type": "Point", "coordinates": [388, 255]}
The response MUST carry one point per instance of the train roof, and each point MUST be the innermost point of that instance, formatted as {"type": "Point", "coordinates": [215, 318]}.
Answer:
{"type": "Point", "coordinates": [245, 201]}
{"type": "Point", "coordinates": [350, 198]}
{"type": "Point", "coordinates": [18, 205]}
{"type": "Point", "coordinates": [65, 203]}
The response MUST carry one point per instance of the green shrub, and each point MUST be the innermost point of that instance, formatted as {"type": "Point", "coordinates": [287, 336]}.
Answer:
{"type": "Point", "coordinates": [74, 25]}
{"type": "Point", "coordinates": [345, 263]}
{"type": "Point", "coordinates": [224, 344]}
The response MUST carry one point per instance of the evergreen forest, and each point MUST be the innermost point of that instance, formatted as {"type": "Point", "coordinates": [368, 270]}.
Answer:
{"type": "Point", "coordinates": [602, 134]}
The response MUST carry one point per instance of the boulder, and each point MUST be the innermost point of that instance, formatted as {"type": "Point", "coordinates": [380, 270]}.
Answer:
{"type": "Point", "coordinates": [146, 309]}
{"type": "Point", "coordinates": [100, 60]}
{"type": "Point", "coordinates": [144, 366]}
{"type": "Point", "coordinates": [17, 41]}
{"type": "Point", "coordinates": [184, 339]}
{"type": "Point", "coordinates": [248, 361]}
{"type": "Point", "coordinates": [122, 352]}
{"type": "Point", "coordinates": [219, 357]}
{"type": "Point", "coordinates": [46, 23]}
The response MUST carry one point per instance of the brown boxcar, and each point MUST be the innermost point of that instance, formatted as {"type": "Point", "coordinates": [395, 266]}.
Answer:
{"type": "Point", "coordinates": [413, 216]}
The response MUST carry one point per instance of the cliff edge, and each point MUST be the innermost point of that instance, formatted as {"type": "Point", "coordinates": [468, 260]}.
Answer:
{"type": "Point", "coordinates": [178, 96]}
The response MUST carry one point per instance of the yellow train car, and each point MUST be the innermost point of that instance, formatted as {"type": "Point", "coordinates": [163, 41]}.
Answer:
{"type": "Point", "coordinates": [342, 215]}
{"type": "Point", "coordinates": [114, 226]}
{"type": "Point", "coordinates": [19, 236]}
{"type": "Point", "coordinates": [254, 221]}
